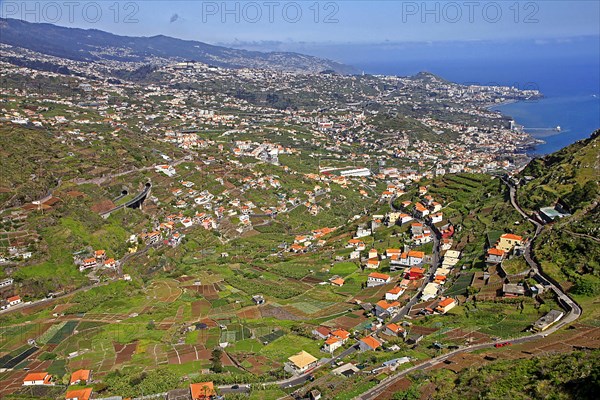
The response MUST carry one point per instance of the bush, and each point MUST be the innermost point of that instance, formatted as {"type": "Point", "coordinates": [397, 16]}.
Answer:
{"type": "Point", "coordinates": [587, 285]}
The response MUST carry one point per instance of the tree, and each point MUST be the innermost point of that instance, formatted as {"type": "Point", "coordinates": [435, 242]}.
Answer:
{"type": "Point", "coordinates": [215, 358]}
{"type": "Point", "coordinates": [412, 393]}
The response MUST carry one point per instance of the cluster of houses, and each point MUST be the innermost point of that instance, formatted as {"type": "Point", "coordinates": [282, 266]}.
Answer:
{"type": "Point", "coordinates": [440, 275]}
{"type": "Point", "coordinates": [267, 152]}
{"type": "Point", "coordinates": [303, 242]}
{"type": "Point", "coordinates": [80, 377]}
{"type": "Point", "coordinates": [187, 140]}
{"type": "Point", "coordinates": [11, 300]}
{"type": "Point", "coordinates": [508, 244]}
{"type": "Point", "coordinates": [97, 259]}
{"type": "Point", "coordinates": [16, 253]}
{"type": "Point", "coordinates": [334, 339]}
{"type": "Point", "coordinates": [169, 233]}
{"type": "Point", "coordinates": [198, 198]}
{"type": "Point", "coordinates": [83, 377]}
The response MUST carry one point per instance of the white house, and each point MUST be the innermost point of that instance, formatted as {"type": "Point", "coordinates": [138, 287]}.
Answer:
{"type": "Point", "coordinates": [166, 169]}
{"type": "Point", "coordinates": [394, 294]}
{"type": "Point", "coordinates": [332, 344]}
{"type": "Point", "coordinates": [378, 279]}
{"type": "Point", "coordinates": [437, 217]}
{"type": "Point", "coordinates": [37, 378]}
{"type": "Point", "coordinates": [14, 300]}
{"type": "Point", "coordinates": [300, 363]}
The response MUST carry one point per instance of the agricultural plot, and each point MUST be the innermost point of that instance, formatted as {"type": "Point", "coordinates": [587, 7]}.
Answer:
{"type": "Point", "coordinates": [268, 335]}
{"type": "Point", "coordinates": [288, 345]}
{"type": "Point", "coordinates": [459, 287]}
{"type": "Point", "coordinates": [13, 336]}
{"type": "Point", "coordinates": [183, 354]}
{"type": "Point", "coordinates": [347, 322]}
{"type": "Point", "coordinates": [343, 268]}
{"type": "Point", "coordinates": [165, 291]}
{"type": "Point", "coordinates": [246, 346]}
{"type": "Point", "coordinates": [235, 332]}
{"type": "Point", "coordinates": [124, 352]}
{"type": "Point", "coordinates": [58, 368]}
{"type": "Point", "coordinates": [49, 334]}
{"type": "Point", "coordinates": [249, 313]}
{"type": "Point", "coordinates": [65, 331]}
{"type": "Point", "coordinates": [281, 313]}
{"type": "Point", "coordinates": [14, 358]}
{"type": "Point", "coordinates": [310, 306]}
{"type": "Point", "coordinates": [200, 308]}
{"type": "Point", "coordinates": [209, 292]}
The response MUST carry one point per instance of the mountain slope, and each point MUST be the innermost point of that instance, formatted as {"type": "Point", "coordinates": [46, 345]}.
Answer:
{"type": "Point", "coordinates": [570, 176]}
{"type": "Point", "coordinates": [95, 45]}
{"type": "Point", "coordinates": [568, 249]}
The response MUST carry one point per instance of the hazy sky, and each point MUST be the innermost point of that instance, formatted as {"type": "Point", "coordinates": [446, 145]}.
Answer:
{"type": "Point", "coordinates": [344, 21]}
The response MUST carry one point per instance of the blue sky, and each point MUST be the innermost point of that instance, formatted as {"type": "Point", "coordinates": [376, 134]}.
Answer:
{"type": "Point", "coordinates": [273, 23]}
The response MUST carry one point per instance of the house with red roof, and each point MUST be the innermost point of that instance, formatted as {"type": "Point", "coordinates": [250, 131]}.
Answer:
{"type": "Point", "coordinates": [378, 279]}
{"type": "Point", "coordinates": [332, 344]}
{"type": "Point", "coordinates": [384, 308]}
{"type": "Point", "coordinates": [321, 332]}
{"type": "Point", "coordinates": [14, 300]}
{"type": "Point", "coordinates": [81, 394]}
{"type": "Point", "coordinates": [373, 263]}
{"type": "Point", "coordinates": [495, 256]}
{"type": "Point", "coordinates": [369, 343]}
{"type": "Point", "coordinates": [394, 293]}
{"type": "Point", "coordinates": [415, 273]}
{"type": "Point", "coordinates": [87, 263]}
{"type": "Point", "coordinates": [337, 282]}
{"type": "Point", "coordinates": [79, 376]}
{"type": "Point", "coordinates": [202, 391]}
{"type": "Point", "coordinates": [37, 378]}
{"type": "Point", "coordinates": [393, 329]}
{"type": "Point", "coordinates": [421, 210]}
{"type": "Point", "coordinates": [446, 305]}
{"type": "Point", "coordinates": [100, 254]}
{"type": "Point", "coordinates": [508, 241]}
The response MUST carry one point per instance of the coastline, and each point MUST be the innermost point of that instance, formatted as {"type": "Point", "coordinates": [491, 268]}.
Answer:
{"type": "Point", "coordinates": [576, 115]}
{"type": "Point", "coordinates": [502, 103]}
{"type": "Point", "coordinates": [529, 146]}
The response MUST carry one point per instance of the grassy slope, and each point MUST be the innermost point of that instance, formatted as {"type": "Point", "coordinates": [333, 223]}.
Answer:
{"type": "Point", "coordinates": [571, 376]}
{"type": "Point", "coordinates": [567, 249]}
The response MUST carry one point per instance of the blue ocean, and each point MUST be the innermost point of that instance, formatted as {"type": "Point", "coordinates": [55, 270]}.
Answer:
{"type": "Point", "coordinates": [567, 73]}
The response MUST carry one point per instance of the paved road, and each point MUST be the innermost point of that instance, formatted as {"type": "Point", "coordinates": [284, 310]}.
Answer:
{"type": "Point", "coordinates": [572, 308]}
{"type": "Point", "coordinates": [142, 195]}
{"type": "Point", "coordinates": [435, 260]}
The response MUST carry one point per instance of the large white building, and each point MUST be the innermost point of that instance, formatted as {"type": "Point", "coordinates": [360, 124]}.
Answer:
{"type": "Point", "coordinates": [358, 172]}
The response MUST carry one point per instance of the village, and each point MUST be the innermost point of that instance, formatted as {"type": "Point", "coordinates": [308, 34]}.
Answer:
{"type": "Point", "coordinates": [305, 244]}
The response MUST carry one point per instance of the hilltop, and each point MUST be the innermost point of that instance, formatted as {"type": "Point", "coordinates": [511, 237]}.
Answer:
{"type": "Point", "coordinates": [92, 45]}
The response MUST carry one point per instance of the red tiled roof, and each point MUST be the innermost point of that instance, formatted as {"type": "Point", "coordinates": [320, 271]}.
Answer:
{"type": "Point", "coordinates": [495, 252]}
{"type": "Point", "coordinates": [371, 342]}
{"type": "Point", "coordinates": [446, 302]}
{"type": "Point", "coordinates": [378, 275]}
{"type": "Point", "coordinates": [80, 375]}
{"type": "Point", "coordinates": [81, 394]}
{"type": "Point", "coordinates": [203, 390]}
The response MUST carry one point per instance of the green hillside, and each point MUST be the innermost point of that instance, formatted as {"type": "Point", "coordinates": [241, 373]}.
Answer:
{"type": "Point", "coordinates": [571, 376]}
{"type": "Point", "coordinates": [568, 249]}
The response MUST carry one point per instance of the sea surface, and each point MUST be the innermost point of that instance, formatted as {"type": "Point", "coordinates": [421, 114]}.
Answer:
{"type": "Point", "coordinates": [577, 117]}
{"type": "Point", "coordinates": [570, 85]}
